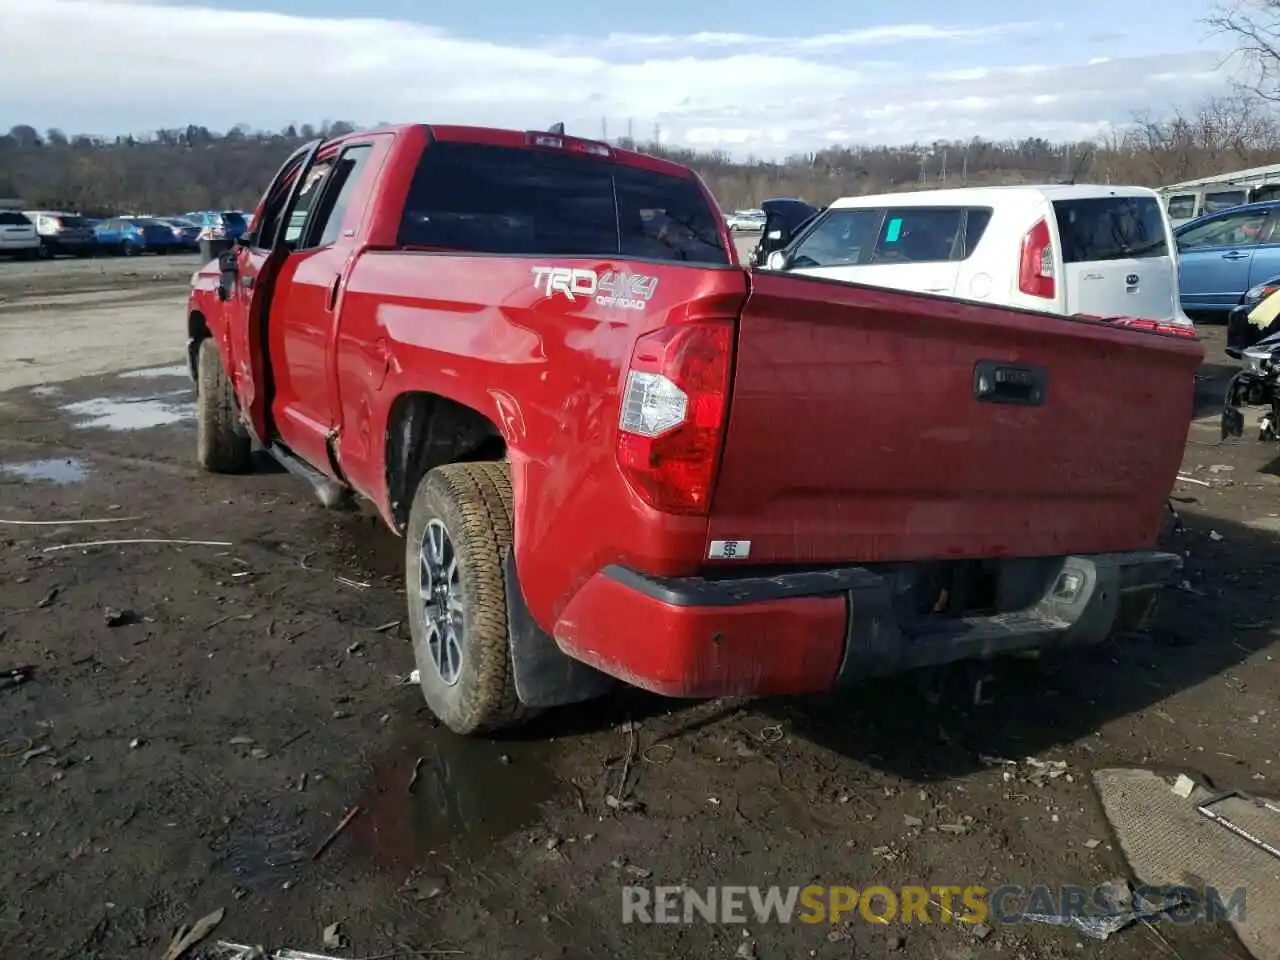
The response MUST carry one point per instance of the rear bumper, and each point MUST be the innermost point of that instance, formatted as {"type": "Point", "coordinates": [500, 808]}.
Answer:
{"type": "Point", "coordinates": [814, 631]}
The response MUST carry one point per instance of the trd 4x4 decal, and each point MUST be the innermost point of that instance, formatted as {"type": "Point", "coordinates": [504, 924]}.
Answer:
{"type": "Point", "coordinates": [626, 291]}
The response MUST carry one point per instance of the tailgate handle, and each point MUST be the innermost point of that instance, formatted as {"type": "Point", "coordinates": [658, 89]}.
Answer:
{"type": "Point", "coordinates": [995, 382]}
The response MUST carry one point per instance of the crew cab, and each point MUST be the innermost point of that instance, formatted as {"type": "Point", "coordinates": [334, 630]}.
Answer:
{"type": "Point", "coordinates": [616, 454]}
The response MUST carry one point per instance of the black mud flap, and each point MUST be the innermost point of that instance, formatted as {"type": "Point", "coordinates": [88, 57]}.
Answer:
{"type": "Point", "coordinates": [1232, 415]}
{"type": "Point", "coordinates": [544, 676]}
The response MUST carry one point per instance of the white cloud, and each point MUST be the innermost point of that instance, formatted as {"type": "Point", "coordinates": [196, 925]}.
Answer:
{"type": "Point", "coordinates": [171, 65]}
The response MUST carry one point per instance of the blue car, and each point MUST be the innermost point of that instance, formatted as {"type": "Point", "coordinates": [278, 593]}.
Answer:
{"type": "Point", "coordinates": [219, 224]}
{"type": "Point", "coordinates": [186, 235]}
{"type": "Point", "coordinates": [131, 236]}
{"type": "Point", "coordinates": [1223, 255]}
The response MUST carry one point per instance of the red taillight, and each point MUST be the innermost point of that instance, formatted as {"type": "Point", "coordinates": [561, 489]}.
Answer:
{"type": "Point", "coordinates": [1035, 264]}
{"type": "Point", "coordinates": [674, 403]}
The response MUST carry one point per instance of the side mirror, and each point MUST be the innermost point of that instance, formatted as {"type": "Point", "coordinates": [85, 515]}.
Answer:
{"type": "Point", "coordinates": [777, 261]}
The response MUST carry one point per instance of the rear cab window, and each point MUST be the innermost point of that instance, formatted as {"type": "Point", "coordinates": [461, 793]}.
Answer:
{"type": "Point", "coordinates": [1092, 229]}
{"type": "Point", "coordinates": [503, 200]}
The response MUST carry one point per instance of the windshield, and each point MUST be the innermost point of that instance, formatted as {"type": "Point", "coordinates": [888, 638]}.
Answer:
{"type": "Point", "coordinates": [1110, 228]}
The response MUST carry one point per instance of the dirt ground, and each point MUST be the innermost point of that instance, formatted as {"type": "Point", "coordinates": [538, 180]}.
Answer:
{"type": "Point", "coordinates": [201, 717]}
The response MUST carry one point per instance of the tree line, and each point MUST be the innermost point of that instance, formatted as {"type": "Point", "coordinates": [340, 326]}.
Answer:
{"type": "Point", "coordinates": [195, 168]}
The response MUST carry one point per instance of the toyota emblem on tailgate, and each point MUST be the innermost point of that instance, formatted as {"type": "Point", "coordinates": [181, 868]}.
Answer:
{"type": "Point", "coordinates": [1131, 280]}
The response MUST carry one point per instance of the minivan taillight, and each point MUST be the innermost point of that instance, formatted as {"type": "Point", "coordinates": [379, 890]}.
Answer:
{"type": "Point", "coordinates": [1035, 264]}
{"type": "Point", "coordinates": [674, 405]}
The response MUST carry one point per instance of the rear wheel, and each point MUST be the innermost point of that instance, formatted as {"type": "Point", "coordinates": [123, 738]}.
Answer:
{"type": "Point", "coordinates": [130, 249]}
{"type": "Point", "coordinates": [460, 526]}
{"type": "Point", "coordinates": [222, 446]}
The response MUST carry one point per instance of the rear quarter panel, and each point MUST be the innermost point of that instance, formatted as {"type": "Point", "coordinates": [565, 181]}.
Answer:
{"type": "Point", "coordinates": [546, 371]}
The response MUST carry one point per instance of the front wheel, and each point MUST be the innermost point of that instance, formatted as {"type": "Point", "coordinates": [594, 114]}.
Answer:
{"type": "Point", "coordinates": [130, 249]}
{"type": "Point", "coordinates": [460, 527]}
{"type": "Point", "coordinates": [222, 446]}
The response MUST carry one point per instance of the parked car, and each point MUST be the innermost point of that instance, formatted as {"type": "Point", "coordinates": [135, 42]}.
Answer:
{"type": "Point", "coordinates": [745, 220]}
{"type": "Point", "coordinates": [1224, 254]}
{"type": "Point", "coordinates": [62, 232]}
{"type": "Point", "coordinates": [1102, 251]}
{"type": "Point", "coordinates": [571, 443]}
{"type": "Point", "coordinates": [218, 224]}
{"type": "Point", "coordinates": [18, 236]}
{"type": "Point", "coordinates": [186, 234]}
{"type": "Point", "coordinates": [130, 236]}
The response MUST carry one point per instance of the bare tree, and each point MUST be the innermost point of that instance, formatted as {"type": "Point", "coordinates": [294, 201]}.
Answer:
{"type": "Point", "coordinates": [1253, 27]}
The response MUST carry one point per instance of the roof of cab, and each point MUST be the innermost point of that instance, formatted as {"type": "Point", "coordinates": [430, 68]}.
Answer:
{"type": "Point", "coordinates": [1051, 191]}
{"type": "Point", "coordinates": [500, 137]}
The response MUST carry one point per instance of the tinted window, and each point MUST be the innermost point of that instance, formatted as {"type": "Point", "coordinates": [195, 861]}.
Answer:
{"type": "Point", "coordinates": [839, 239]}
{"type": "Point", "coordinates": [485, 199]}
{"type": "Point", "coordinates": [14, 220]}
{"type": "Point", "coordinates": [1230, 230]}
{"type": "Point", "coordinates": [326, 225]}
{"type": "Point", "coordinates": [312, 188]}
{"type": "Point", "coordinates": [1110, 228]}
{"type": "Point", "coordinates": [1182, 207]}
{"type": "Point", "coordinates": [975, 227]}
{"type": "Point", "coordinates": [1224, 199]}
{"type": "Point", "coordinates": [232, 219]}
{"type": "Point", "coordinates": [923, 235]}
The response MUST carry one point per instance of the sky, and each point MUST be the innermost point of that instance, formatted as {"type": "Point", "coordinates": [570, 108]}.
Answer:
{"type": "Point", "coordinates": [756, 77]}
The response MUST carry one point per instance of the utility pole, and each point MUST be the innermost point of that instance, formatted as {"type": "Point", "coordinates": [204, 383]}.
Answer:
{"type": "Point", "coordinates": [657, 134]}
{"type": "Point", "coordinates": [922, 165]}
{"type": "Point", "coordinates": [630, 135]}
{"type": "Point", "coordinates": [943, 178]}
{"type": "Point", "coordinates": [964, 169]}
{"type": "Point", "coordinates": [604, 129]}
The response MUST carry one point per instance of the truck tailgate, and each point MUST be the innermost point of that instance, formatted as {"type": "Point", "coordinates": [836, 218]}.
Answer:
{"type": "Point", "coordinates": [856, 433]}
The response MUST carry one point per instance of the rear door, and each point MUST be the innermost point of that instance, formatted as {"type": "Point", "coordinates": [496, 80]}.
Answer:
{"type": "Point", "coordinates": [255, 261]}
{"type": "Point", "coordinates": [1265, 263]}
{"type": "Point", "coordinates": [1215, 255]}
{"type": "Point", "coordinates": [321, 235]}
{"type": "Point", "coordinates": [1116, 257]}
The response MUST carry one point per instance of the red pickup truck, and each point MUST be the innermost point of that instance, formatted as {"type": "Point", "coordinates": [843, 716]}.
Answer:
{"type": "Point", "coordinates": [614, 453]}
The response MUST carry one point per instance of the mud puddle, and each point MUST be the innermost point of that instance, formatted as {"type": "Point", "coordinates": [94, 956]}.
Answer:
{"type": "Point", "coordinates": [62, 472]}
{"type": "Point", "coordinates": [126, 413]}
{"type": "Point", "coordinates": [437, 792]}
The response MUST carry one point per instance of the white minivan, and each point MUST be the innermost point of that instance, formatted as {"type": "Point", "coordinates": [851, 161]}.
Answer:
{"type": "Point", "coordinates": [1101, 251]}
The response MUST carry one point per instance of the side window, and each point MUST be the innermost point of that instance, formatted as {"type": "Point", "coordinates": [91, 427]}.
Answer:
{"type": "Point", "coordinates": [975, 226]}
{"type": "Point", "coordinates": [264, 233]}
{"type": "Point", "coordinates": [1182, 207]}
{"type": "Point", "coordinates": [924, 235]}
{"type": "Point", "coordinates": [841, 238]}
{"type": "Point", "coordinates": [327, 216]}
{"type": "Point", "coordinates": [1232, 230]}
{"type": "Point", "coordinates": [1224, 200]}
{"type": "Point", "coordinates": [314, 186]}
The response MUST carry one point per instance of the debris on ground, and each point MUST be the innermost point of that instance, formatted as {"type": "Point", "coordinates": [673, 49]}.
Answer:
{"type": "Point", "coordinates": [1184, 786]}
{"type": "Point", "coordinates": [342, 825]}
{"type": "Point", "coordinates": [15, 676]}
{"type": "Point", "coordinates": [188, 937]}
{"type": "Point", "coordinates": [117, 618]}
{"type": "Point", "coordinates": [48, 598]}
{"type": "Point", "coordinates": [113, 543]}
{"type": "Point", "coordinates": [334, 938]}
{"type": "Point", "coordinates": [1124, 911]}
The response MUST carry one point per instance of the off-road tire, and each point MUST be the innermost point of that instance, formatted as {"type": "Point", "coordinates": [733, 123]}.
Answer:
{"type": "Point", "coordinates": [222, 445]}
{"type": "Point", "coordinates": [473, 501]}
